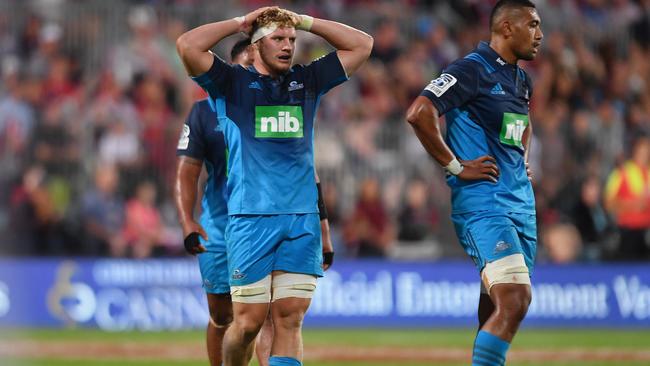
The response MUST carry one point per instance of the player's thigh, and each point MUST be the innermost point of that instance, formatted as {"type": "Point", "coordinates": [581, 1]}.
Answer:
{"type": "Point", "coordinates": [526, 226]}
{"type": "Point", "coordinates": [301, 250]}
{"type": "Point", "coordinates": [487, 237]}
{"type": "Point", "coordinates": [292, 294]}
{"type": "Point", "coordinates": [213, 265]}
{"type": "Point", "coordinates": [289, 312]}
{"type": "Point", "coordinates": [252, 242]}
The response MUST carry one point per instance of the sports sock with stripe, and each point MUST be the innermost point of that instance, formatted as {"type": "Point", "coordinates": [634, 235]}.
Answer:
{"type": "Point", "coordinates": [489, 350]}
{"type": "Point", "coordinates": [283, 361]}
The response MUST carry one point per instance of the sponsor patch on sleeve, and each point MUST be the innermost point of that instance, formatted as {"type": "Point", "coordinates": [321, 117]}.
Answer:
{"type": "Point", "coordinates": [440, 85]}
{"type": "Point", "coordinates": [184, 141]}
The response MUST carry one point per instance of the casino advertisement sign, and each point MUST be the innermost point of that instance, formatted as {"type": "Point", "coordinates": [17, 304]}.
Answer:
{"type": "Point", "coordinates": [166, 294]}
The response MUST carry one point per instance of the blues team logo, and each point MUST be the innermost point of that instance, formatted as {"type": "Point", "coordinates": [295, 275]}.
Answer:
{"type": "Point", "coordinates": [440, 85]}
{"type": "Point", "coordinates": [237, 275]}
{"type": "Point", "coordinates": [184, 140]}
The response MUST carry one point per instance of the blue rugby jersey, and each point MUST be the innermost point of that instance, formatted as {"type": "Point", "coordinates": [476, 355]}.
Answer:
{"type": "Point", "coordinates": [485, 103]}
{"type": "Point", "coordinates": [268, 127]}
{"type": "Point", "coordinates": [201, 140]}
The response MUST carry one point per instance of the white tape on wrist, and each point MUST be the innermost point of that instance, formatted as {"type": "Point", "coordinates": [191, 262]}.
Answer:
{"type": "Point", "coordinates": [240, 20]}
{"type": "Point", "coordinates": [306, 22]}
{"type": "Point", "coordinates": [454, 167]}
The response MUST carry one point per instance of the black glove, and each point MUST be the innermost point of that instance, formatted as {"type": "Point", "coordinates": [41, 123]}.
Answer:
{"type": "Point", "coordinates": [328, 258]}
{"type": "Point", "coordinates": [192, 243]}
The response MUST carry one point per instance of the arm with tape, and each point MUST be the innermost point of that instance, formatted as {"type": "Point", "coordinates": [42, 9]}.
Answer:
{"type": "Point", "coordinates": [187, 177]}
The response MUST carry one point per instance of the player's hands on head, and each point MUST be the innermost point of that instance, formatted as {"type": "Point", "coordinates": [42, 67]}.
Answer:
{"type": "Point", "coordinates": [192, 243]}
{"type": "Point", "coordinates": [247, 25]}
{"type": "Point", "coordinates": [297, 18]}
{"type": "Point", "coordinates": [483, 168]}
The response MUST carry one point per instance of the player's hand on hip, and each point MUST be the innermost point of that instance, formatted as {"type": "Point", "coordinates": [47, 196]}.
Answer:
{"type": "Point", "coordinates": [192, 244]}
{"type": "Point", "coordinates": [483, 168]}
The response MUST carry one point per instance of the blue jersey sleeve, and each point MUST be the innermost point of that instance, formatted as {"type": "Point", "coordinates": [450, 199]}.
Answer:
{"type": "Point", "coordinates": [216, 80]}
{"type": "Point", "coordinates": [454, 87]}
{"type": "Point", "coordinates": [327, 72]}
{"type": "Point", "coordinates": [191, 142]}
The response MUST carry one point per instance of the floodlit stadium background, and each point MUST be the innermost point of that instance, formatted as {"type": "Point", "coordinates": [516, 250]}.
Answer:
{"type": "Point", "coordinates": [92, 100]}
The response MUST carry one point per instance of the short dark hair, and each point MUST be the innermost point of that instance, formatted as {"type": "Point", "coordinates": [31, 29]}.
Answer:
{"type": "Point", "coordinates": [508, 4]}
{"type": "Point", "coordinates": [238, 48]}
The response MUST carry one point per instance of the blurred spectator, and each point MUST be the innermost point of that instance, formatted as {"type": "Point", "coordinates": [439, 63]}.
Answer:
{"type": "Point", "coordinates": [591, 219]}
{"type": "Point", "coordinates": [611, 131]}
{"type": "Point", "coordinates": [144, 52]}
{"type": "Point", "coordinates": [417, 219]}
{"type": "Point", "coordinates": [103, 214]}
{"type": "Point", "coordinates": [561, 243]}
{"type": "Point", "coordinates": [119, 146]}
{"type": "Point", "coordinates": [627, 198]}
{"type": "Point", "coordinates": [17, 118]}
{"type": "Point", "coordinates": [159, 135]}
{"type": "Point", "coordinates": [368, 231]}
{"type": "Point", "coordinates": [387, 43]}
{"type": "Point", "coordinates": [143, 229]}
{"type": "Point", "coordinates": [35, 225]}
{"type": "Point", "coordinates": [54, 146]}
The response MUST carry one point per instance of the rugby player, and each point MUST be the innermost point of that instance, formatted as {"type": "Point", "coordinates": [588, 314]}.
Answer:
{"type": "Point", "coordinates": [199, 143]}
{"type": "Point", "coordinates": [266, 113]}
{"type": "Point", "coordinates": [484, 97]}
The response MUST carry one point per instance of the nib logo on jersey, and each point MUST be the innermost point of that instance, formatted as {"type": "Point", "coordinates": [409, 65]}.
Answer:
{"type": "Point", "coordinates": [278, 122]}
{"type": "Point", "coordinates": [512, 129]}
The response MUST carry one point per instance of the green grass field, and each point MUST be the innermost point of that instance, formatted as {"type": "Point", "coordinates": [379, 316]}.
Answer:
{"type": "Point", "coordinates": [530, 344]}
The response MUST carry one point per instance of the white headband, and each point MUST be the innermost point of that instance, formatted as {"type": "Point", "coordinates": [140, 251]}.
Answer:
{"type": "Point", "coordinates": [263, 32]}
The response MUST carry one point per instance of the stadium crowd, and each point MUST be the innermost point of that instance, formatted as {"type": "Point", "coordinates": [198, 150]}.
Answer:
{"type": "Point", "coordinates": [91, 108]}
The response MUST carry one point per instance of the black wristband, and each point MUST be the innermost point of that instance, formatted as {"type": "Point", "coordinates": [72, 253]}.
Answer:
{"type": "Point", "coordinates": [191, 242]}
{"type": "Point", "coordinates": [328, 258]}
{"type": "Point", "coordinates": [322, 210]}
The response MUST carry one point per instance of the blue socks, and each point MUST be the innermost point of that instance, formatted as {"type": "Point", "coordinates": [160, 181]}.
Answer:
{"type": "Point", "coordinates": [489, 350]}
{"type": "Point", "coordinates": [283, 361]}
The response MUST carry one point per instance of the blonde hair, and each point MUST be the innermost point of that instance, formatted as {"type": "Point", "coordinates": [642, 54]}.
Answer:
{"type": "Point", "coordinates": [280, 17]}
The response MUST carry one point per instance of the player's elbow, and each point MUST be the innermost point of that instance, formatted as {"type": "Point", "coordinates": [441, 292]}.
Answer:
{"type": "Point", "coordinates": [366, 45]}
{"type": "Point", "coordinates": [183, 46]}
{"type": "Point", "coordinates": [413, 115]}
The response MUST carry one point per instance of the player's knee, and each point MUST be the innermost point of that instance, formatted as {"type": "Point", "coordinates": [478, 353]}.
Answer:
{"type": "Point", "coordinates": [246, 326]}
{"type": "Point", "coordinates": [514, 305]}
{"type": "Point", "coordinates": [221, 319]}
{"type": "Point", "coordinates": [220, 310]}
{"type": "Point", "coordinates": [255, 293]}
{"type": "Point", "coordinates": [298, 285]}
{"type": "Point", "coordinates": [289, 321]}
{"type": "Point", "coordinates": [289, 317]}
{"type": "Point", "coordinates": [522, 298]}
{"type": "Point", "coordinates": [507, 270]}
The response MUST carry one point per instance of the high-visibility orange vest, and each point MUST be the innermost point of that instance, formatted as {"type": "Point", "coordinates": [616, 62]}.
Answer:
{"type": "Point", "coordinates": [630, 182]}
